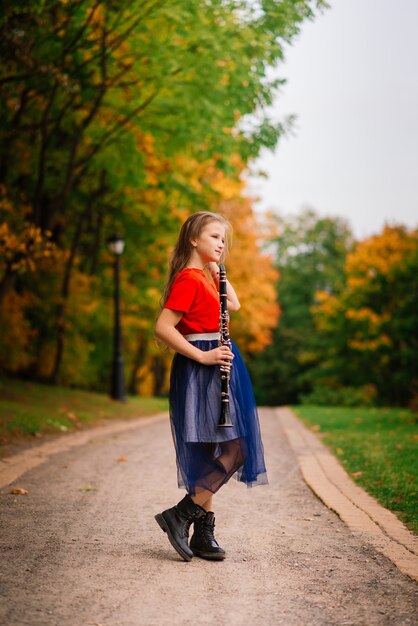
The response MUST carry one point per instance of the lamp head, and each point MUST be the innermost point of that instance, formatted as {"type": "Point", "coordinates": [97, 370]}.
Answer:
{"type": "Point", "coordinates": [116, 244]}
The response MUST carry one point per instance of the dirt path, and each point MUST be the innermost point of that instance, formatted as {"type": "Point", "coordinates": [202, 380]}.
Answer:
{"type": "Point", "coordinates": [73, 558]}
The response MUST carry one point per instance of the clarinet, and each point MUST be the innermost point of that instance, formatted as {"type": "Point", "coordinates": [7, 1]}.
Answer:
{"type": "Point", "coordinates": [224, 340]}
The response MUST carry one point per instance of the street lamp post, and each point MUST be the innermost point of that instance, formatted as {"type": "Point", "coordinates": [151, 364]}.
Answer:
{"type": "Point", "coordinates": [116, 245]}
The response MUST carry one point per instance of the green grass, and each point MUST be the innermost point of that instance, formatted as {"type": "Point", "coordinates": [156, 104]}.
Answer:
{"type": "Point", "coordinates": [378, 448]}
{"type": "Point", "coordinates": [28, 409]}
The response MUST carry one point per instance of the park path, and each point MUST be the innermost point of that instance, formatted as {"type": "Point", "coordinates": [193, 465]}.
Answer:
{"type": "Point", "coordinates": [82, 548]}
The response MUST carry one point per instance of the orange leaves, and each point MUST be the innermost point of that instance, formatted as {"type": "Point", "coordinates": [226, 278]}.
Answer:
{"type": "Point", "coordinates": [20, 251]}
{"type": "Point", "coordinates": [364, 314]}
{"type": "Point", "coordinates": [379, 255]}
{"type": "Point", "coordinates": [131, 128]}
{"type": "Point", "coordinates": [19, 491]}
{"type": "Point", "coordinates": [251, 272]}
{"type": "Point", "coordinates": [228, 188]}
{"type": "Point", "coordinates": [326, 307]}
{"type": "Point", "coordinates": [370, 344]}
{"type": "Point", "coordinates": [6, 205]}
{"type": "Point", "coordinates": [371, 322]}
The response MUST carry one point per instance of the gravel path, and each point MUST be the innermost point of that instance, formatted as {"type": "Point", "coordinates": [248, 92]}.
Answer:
{"type": "Point", "coordinates": [83, 547]}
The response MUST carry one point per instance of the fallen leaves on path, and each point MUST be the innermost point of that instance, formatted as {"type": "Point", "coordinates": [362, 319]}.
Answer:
{"type": "Point", "coordinates": [88, 488]}
{"type": "Point", "coordinates": [18, 491]}
{"type": "Point", "coordinates": [122, 459]}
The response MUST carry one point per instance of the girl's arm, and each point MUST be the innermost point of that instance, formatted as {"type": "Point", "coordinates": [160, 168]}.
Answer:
{"type": "Point", "coordinates": [232, 298]}
{"type": "Point", "coordinates": [165, 329]}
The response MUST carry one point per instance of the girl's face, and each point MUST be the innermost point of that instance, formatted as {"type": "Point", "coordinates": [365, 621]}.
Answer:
{"type": "Point", "coordinates": [210, 243]}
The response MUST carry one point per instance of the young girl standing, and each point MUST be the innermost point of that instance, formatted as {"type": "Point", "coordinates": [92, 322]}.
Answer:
{"type": "Point", "coordinates": [207, 455]}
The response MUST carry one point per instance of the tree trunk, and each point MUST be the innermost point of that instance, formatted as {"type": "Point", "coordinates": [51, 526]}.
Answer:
{"type": "Point", "coordinates": [65, 290]}
{"type": "Point", "coordinates": [61, 308]}
{"type": "Point", "coordinates": [7, 283]}
{"type": "Point", "coordinates": [95, 249]}
{"type": "Point", "coordinates": [159, 369]}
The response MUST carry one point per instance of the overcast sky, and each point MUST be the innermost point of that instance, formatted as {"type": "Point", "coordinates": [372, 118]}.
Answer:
{"type": "Point", "coordinates": [352, 81]}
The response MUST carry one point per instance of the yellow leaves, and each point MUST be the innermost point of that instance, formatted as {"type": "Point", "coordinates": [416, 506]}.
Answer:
{"type": "Point", "coordinates": [369, 335]}
{"type": "Point", "coordinates": [5, 204]}
{"type": "Point", "coordinates": [379, 255]}
{"type": "Point", "coordinates": [371, 344]}
{"type": "Point", "coordinates": [19, 491]}
{"type": "Point", "coordinates": [122, 459]}
{"type": "Point", "coordinates": [228, 188]}
{"type": "Point", "coordinates": [20, 250]}
{"type": "Point", "coordinates": [81, 287]}
{"type": "Point", "coordinates": [251, 272]}
{"type": "Point", "coordinates": [370, 322]}
{"type": "Point", "coordinates": [97, 15]}
{"type": "Point", "coordinates": [327, 303]}
{"type": "Point", "coordinates": [326, 308]}
{"type": "Point", "coordinates": [151, 178]}
{"type": "Point", "coordinates": [15, 343]}
{"type": "Point", "coordinates": [364, 314]}
{"type": "Point", "coordinates": [153, 294]}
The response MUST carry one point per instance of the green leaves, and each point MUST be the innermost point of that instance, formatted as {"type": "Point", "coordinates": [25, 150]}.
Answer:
{"type": "Point", "coordinates": [347, 334]}
{"type": "Point", "coordinates": [120, 116]}
{"type": "Point", "coordinates": [310, 255]}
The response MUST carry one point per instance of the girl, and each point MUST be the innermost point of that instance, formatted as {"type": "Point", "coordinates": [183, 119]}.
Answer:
{"type": "Point", "coordinates": [207, 456]}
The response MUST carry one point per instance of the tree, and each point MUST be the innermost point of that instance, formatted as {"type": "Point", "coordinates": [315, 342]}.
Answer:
{"type": "Point", "coordinates": [371, 325]}
{"type": "Point", "coordinates": [105, 107]}
{"type": "Point", "coordinates": [310, 254]}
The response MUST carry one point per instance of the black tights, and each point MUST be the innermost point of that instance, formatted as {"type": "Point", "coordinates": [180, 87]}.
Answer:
{"type": "Point", "coordinates": [215, 471]}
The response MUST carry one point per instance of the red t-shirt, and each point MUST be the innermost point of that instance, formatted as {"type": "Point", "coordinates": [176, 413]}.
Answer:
{"type": "Point", "coordinates": [194, 295]}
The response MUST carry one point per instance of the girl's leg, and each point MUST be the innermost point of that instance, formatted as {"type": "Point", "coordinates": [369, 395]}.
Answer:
{"type": "Point", "coordinates": [232, 455]}
{"type": "Point", "coordinates": [205, 453]}
{"type": "Point", "coordinates": [176, 522]}
{"type": "Point", "coordinates": [208, 504]}
{"type": "Point", "coordinates": [203, 542]}
{"type": "Point", "coordinates": [203, 499]}
{"type": "Point", "coordinates": [216, 471]}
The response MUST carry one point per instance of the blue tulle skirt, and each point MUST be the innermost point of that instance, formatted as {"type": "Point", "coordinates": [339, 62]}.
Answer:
{"type": "Point", "coordinates": [208, 455]}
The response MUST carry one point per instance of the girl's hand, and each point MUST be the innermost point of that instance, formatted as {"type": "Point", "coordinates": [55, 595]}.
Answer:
{"type": "Point", "coordinates": [218, 356]}
{"type": "Point", "coordinates": [213, 269]}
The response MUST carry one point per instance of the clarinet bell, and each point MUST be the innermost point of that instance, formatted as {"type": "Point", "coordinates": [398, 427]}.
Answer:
{"type": "Point", "coordinates": [225, 418]}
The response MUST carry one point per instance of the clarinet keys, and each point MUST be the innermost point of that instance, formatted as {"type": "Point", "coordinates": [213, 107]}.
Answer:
{"type": "Point", "coordinates": [224, 340]}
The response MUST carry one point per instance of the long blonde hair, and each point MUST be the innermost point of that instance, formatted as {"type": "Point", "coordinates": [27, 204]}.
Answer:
{"type": "Point", "coordinates": [192, 229]}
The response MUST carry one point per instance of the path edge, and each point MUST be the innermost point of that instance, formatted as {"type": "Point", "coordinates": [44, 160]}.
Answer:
{"type": "Point", "coordinates": [362, 513]}
{"type": "Point", "coordinates": [11, 468]}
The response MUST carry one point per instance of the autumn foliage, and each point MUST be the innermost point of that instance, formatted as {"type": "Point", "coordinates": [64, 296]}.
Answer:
{"type": "Point", "coordinates": [349, 324]}
{"type": "Point", "coordinates": [371, 325]}
{"type": "Point", "coordinates": [127, 117]}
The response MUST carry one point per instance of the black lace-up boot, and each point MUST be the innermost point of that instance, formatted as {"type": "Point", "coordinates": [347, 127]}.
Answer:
{"type": "Point", "coordinates": [176, 523]}
{"type": "Point", "coordinates": [203, 542]}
